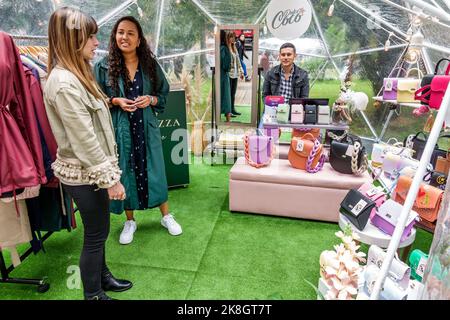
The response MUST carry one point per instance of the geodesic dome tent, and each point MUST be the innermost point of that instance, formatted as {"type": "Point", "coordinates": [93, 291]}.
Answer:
{"type": "Point", "coordinates": [375, 32]}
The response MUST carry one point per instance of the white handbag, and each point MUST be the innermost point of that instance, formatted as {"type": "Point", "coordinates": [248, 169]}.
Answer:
{"type": "Point", "coordinates": [379, 151]}
{"type": "Point", "coordinates": [399, 271]}
{"type": "Point", "coordinates": [390, 290]}
{"type": "Point", "coordinates": [323, 116]}
{"type": "Point", "coordinates": [297, 113]}
{"type": "Point", "coordinates": [394, 163]}
{"type": "Point", "coordinates": [270, 114]}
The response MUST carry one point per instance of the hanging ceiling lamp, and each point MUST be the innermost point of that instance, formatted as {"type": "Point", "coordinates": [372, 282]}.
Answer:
{"type": "Point", "coordinates": [331, 9]}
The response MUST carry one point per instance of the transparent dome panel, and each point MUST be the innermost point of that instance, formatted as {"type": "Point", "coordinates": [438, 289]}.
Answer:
{"type": "Point", "coordinates": [233, 12]}
{"type": "Point", "coordinates": [184, 29]}
{"type": "Point", "coordinates": [350, 29]}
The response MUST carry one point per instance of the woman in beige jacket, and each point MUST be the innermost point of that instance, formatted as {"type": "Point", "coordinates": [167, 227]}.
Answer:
{"type": "Point", "coordinates": [87, 160]}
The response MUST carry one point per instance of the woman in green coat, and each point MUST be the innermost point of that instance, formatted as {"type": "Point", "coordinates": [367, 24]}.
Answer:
{"type": "Point", "coordinates": [137, 89]}
{"type": "Point", "coordinates": [225, 65]}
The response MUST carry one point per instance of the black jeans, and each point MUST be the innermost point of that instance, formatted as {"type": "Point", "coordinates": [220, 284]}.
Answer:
{"type": "Point", "coordinates": [233, 87]}
{"type": "Point", "coordinates": [94, 210]}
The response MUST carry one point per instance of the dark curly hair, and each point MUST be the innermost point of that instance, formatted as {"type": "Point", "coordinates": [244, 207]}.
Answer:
{"type": "Point", "coordinates": [116, 61]}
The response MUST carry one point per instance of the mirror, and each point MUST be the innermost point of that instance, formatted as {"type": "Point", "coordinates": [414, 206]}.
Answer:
{"type": "Point", "coordinates": [236, 81]}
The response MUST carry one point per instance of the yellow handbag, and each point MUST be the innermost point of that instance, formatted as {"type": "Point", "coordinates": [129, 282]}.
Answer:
{"type": "Point", "coordinates": [406, 87]}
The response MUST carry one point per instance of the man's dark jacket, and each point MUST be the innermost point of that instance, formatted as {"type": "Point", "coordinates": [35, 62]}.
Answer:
{"type": "Point", "coordinates": [300, 83]}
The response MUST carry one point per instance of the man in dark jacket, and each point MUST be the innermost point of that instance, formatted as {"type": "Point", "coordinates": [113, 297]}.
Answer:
{"type": "Point", "coordinates": [286, 79]}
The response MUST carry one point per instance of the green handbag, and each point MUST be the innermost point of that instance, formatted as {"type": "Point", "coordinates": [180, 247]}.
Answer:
{"type": "Point", "coordinates": [418, 262]}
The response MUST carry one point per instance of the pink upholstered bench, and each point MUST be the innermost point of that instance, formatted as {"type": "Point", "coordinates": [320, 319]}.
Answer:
{"type": "Point", "coordinates": [282, 190]}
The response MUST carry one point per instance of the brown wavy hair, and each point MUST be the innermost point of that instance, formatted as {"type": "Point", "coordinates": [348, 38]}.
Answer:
{"type": "Point", "coordinates": [116, 61]}
{"type": "Point", "coordinates": [69, 30]}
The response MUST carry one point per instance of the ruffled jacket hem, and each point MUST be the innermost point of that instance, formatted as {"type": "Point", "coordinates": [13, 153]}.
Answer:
{"type": "Point", "coordinates": [104, 175]}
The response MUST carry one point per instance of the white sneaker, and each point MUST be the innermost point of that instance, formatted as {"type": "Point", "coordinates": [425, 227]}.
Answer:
{"type": "Point", "coordinates": [129, 228]}
{"type": "Point", "coordinates": [169, 222]}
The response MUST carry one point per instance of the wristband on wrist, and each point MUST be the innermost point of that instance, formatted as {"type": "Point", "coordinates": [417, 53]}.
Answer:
{"type": "Point", "coordinates": [111, 100]}
{"type": "Point", "coordinates": [151, 100]}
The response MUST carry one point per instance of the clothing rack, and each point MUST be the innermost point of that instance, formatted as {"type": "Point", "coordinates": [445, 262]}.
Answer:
{"type": "Point", "coordinates": [42, 284]}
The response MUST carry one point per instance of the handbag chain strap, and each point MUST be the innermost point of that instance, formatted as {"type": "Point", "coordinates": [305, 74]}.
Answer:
{"type": "Point", "coordinates": [250, 161]}
{"type": "Point", "coordinates": [336, 137]}
{"type": "Point", "coordinates": [364, 164]}
{"type": "Point", "coordinates": [311, 157]}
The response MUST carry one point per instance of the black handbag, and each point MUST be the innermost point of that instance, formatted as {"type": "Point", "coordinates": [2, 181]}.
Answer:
{"type": "Point", "coordinates": [356, 207]}
{"type": "Point", "coordinates": [310, 114]}
{"type": "Point", "coordinates": [437, 179]}
{"type": "Point", "coordinates": [346, 151]}
{"type": "Point", "coordinates": [417, 143]}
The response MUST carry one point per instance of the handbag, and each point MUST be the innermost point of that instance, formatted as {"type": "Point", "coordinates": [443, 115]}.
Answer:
{"type": "Point", "coordinates": [310, 114]}
{"type": "Point", "coordinates": [399, 271]}
{"type": "Point", "coordinates": [270, 114]}
{"type": "Point", "coordinates": [348, 156]}
{"type": "Point", "coordinates": [433, 87]}
{"type": "Point", "coordinates": [386, 219]}
{"type": "Point", "coordinates": [273, 101]}
{"type": "Point", "coordinates": [375, 194]}
{"type": "Point", "coordinates": [437, 179]}
{"type": "Point", "coordinates": [442, 164]}
{"type": "Point", "coordinates": [306, 153]}
{"type": "Point", "coordinates": [426, 80]}
{"type": "Point", "coordinates": [418, 262]}
{"type": "Point", "coordinates": [356, 207]}
{"type": "Point", "coordinates": [428, 200]}
{"type": "Point", "coordinates": [283, 113]}
{"type": "Point", "coordinates": [259, 150]}
{"type": "Point", "coordinates": [394, 163]}
{"type": "Point", "coordinates": [407, 87]}
{"type": "Point", "coordinates": [418, 145]}
{"type": "Point", "coordinates": [340, 114]}
{"type": "Point", "coordinates": [379, 150]}
{"type": "Point", "coordinates": [297, 113]}
{"type": "Point", "coordinates": [323, 114]}
{"type": "Point", "coordinates": [390, 291]}
{"type": "Point", "coordinates": [390, 85]}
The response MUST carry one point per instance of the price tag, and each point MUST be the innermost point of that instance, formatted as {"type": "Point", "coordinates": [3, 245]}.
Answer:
{"type": "Point", "coordinates": [421, 267]}
{"type": "Point", "coordinates": [300, 145]}
{"type": "Point", "coordinates": [349, 151]}
{"type": "Point", "coordinates": [389, 84]}
{"type": "Point", "coordinates": [359, 207]}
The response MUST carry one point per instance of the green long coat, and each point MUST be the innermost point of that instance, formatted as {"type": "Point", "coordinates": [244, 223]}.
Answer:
{"type": "Point", "coordinates": [157, 182]}
{"type": "Point", "coordinates": [225, 91]}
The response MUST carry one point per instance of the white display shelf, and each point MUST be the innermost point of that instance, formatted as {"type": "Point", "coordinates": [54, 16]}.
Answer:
{"type": "Point", "coordinates": [403, 104]}
{"type": "Point", "coordinates": [306, 126]}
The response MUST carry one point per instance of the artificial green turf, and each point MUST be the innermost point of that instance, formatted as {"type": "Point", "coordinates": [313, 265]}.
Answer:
{"type": "Point", "coordinates": [220, 255]}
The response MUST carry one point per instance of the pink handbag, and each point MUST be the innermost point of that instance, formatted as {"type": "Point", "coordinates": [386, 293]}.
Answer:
{"type": "Point", "coordinates": [375, 194]}
{"type": "Point", "coordinates": [259, 150]}
{"type": "Point", "coordinates": [273, 101]}
{"type": "Point", "coordinates": [436, 91]}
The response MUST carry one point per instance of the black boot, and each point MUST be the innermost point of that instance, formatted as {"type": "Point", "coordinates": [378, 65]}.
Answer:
{"type": "Point", "coordinates": [109, 283]}
{"type": "Point", "coordinates": [234, 112]}
{"type": "Point", "coordinates": [102, 296]}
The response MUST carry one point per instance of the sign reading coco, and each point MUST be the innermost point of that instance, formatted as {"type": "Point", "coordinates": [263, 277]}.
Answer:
{"type": "Point", "coordinates": [288, 19]}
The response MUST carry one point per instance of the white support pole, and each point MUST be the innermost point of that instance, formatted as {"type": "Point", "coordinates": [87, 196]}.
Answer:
{"type": "Point", "coordinates": [430, 8]}
{"type": "Point", "coordinates": [447, 3]}
{"type": "Point", "coordinates": [102, 21]}
{"type": "Point", "coordinates": [170, 56]}
{"type": "Point", "coordinates": [412, 193]}
{"type": "Point", "coordinates": [205, 12]}
{"type": "Point", "coordinates": [263, 14]}
{"type": "Point", "coordinates": [436, 5]}
{"type": "Point", "coordinates": [436, 47]}
{"type": "Point", "coordinates": [158, 30]}
{"type": "Point", "coordinates": [318, 73]}
{"type": "Point", "coordinates": [369, 50]}
{"type": "Point", "coordinates": [376, 17]}
{"type": "Point", "coordinates": [325, 44]}
{"type": "Point", "coordinates": [427, 60]}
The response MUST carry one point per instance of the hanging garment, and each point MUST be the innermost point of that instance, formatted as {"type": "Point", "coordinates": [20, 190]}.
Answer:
{"type": "Point", "coordinates": [21, 160]}
{"type": "Point", "coordinates": [14, 228]}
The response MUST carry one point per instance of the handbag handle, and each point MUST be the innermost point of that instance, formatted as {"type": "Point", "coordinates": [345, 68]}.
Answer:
{"type": "Point", "coordinates": [436, 69]}
{"type": "Point", "coordinates": [423, 97]}
{"type": "Point", "coordinates": [419, 73]}
{"type": "Point", "coordinates": [336, 137]}
{"type": "Point", "coordinates": [311, 157]}
{"type": "Point", "coordinates": [364, 164]}
{"type": "Point", "coordinates": [395, 139]}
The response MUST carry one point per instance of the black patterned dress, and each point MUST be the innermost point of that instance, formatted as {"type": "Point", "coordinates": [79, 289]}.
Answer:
{"type": "Point", "coordinates": [138, 158]}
